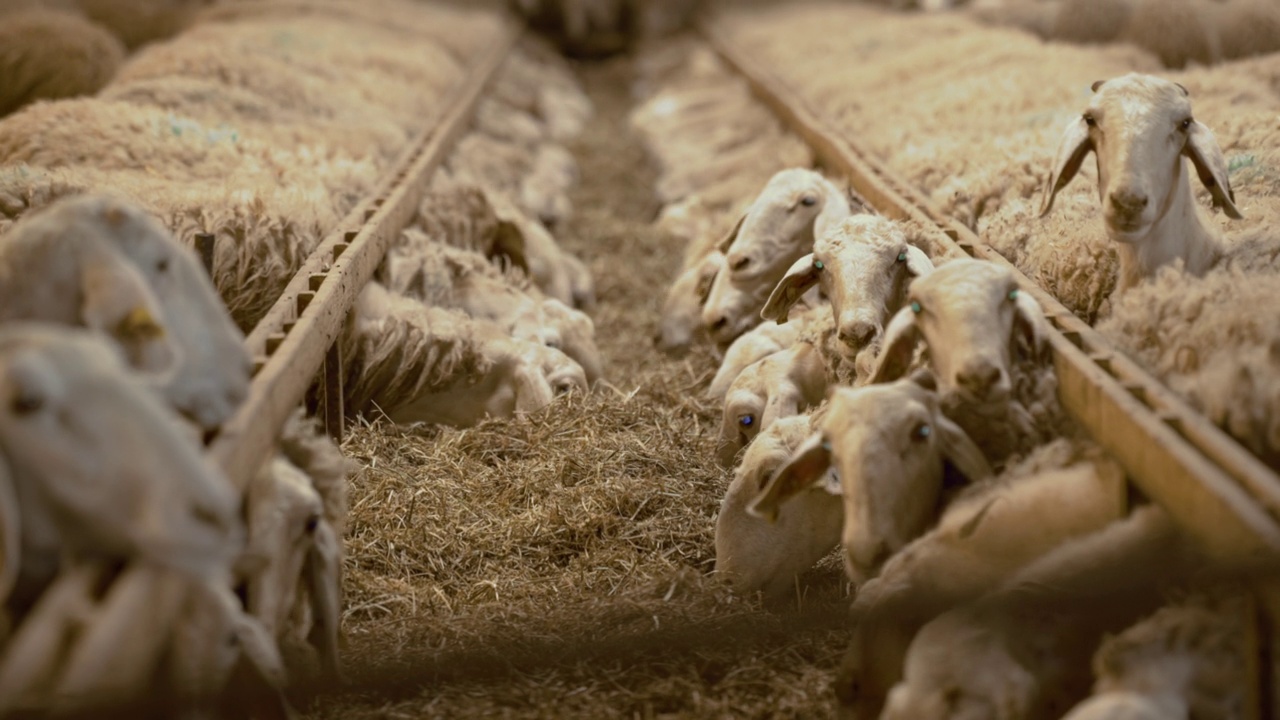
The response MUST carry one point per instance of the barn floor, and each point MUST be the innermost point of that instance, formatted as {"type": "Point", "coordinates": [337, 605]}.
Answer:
{"type": "Point", "coordinates": [557, 566]}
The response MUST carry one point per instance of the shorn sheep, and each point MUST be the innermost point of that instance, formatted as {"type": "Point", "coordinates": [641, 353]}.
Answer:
{"type": "Point", "coordinates": [781, 385]}
{"type": "Point", "coordinates": [795, 207]}
{"type": "Point", "coordinates": [99, 262]}
{"type": "Point", "coordinates": [888, 444]}
{"type": "Point", "coordinates": [755, 555]}
{"type": "Point", "coordinates": [863, 267]}
{"type": "Point", "coordinates": [986, 341]}
{"type": "Point", "coordinates": [983, 536]}
{"type": "Point", "coordinates": [1140, 127]}
{"type": "Point", "coordinates": [750, 347]}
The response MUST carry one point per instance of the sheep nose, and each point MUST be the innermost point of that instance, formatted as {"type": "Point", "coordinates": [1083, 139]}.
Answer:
{"type": "Point", "coordinates": [1128, 202]}
{"type": "Point", "coordinates": [857, 334]}
{"type": "Point", "coordinates": [719, 323]}
{"type": "Point", "coordinates": [978, 378]}
{"type": "Point", "coordinates": [738, 262]}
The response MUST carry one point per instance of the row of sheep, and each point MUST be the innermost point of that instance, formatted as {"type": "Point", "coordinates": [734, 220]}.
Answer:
{"type": "Point", "coordinates": [120, 534]}
{"type": "Point", "coordinates": [911, 418]}
{"type": "Point", "coordinates": [978, 136]}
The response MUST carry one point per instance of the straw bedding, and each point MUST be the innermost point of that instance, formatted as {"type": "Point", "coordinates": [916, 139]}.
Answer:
{"type": "Point", "coordinates": [557, 566]}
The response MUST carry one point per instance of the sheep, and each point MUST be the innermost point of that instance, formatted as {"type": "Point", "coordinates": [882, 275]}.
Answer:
{"type": "Point", "coordinates": [863, 267]}
{"type": "Point", "coordinates": [987, 342]}
{"type": "Point", "coordinates": [888, 444]}
{"type": "Point", "coordinates": [780, 385]}
{"type": "Point", "coordinates": [1182, 662]}
{"type": "Point", "coordinates": [751, 347]}
{"type": "Point", "coordinates": [1138, 125]}
{"type": "Point", "coordinates": [756, 556]}
{"type": "Point", "coordinates": [1090, 21]}
{"type": "Point", "coordinates": [137, 22]}
{"type": "Point", "coordinates": [415, 363]}
{"type": "Point", "coordinates": [1022, 650]}
{"type": "Point", "coordinates": [543, 256]}
{"type": "Point", "coordinates": [46, 54]}
{"type": "Point", "coordinates": [134, 283]}
{"type": "Point", "coordinates": [795, 207]}
{"type": "Point", "coordinates": [544, 190]}
{"type": "Point", "coordinates": [90, 486]}
{"type": "Point", "coordinates": [1066, 490]}
{"type": "Point", "coordinates": [1176, 31]}
{"type": "Point", "coordinates": [1248, 27]}
{"type": "Point", "coordinates": [442, 276]}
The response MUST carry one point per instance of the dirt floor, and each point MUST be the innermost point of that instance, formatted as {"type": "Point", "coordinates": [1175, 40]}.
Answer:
{"type": "Point", "coordinates": [558, 566]}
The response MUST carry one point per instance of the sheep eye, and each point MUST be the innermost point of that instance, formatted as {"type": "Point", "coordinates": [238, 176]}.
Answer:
{"type": "Point", "coordinates": [1090, 121]}
{"type": "Point", "coordinates": [162, 264]}
{"type": "Point", "coordinates": [817, 265]}
{"type": "Point", "coordinates": [747, 420]}
{"type": "Point", "coordinates": [26, 402]}
{"type": "Point", "coordinates": [808, 201]}
{"type": "Point", "coordinates": [922, 431]}
{"type": "Point", "coordinates": [1185, 125]}
{"type": "Point", "coordinates": [915, 307]}
{"type": "Point", "coordinates": [312, 523]}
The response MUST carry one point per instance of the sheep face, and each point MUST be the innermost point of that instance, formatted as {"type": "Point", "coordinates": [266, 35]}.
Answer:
{"type": "Point", "coordinates": [111, 487]}
{"type": "Point", "coordinates": [573, 333]}
{"type": "Point", "coordinates": [970, 314]}
{"type": "Point", "coordinates": [887, 443]}
{"type": "Point", "coordinates": [780, 385]}
{"type": "Point", "coordinates": [682, 309]}
{"type": "Point", "coordinates": [863, 267]}
{"type": "Point", "coordinates": [778, 228]}
{"type": "Point", "coordinates": [1140, 127]}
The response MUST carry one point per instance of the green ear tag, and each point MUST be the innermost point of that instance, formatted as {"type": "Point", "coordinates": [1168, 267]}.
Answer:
{"type": "Point", "coordinates": [902, 257]}
{"type": "Point", "coordinates": [915, 308]}
{"type": "Point", "coordinates": [817, 264]}
{"type": "Point", "coordinates": [1013, 294]}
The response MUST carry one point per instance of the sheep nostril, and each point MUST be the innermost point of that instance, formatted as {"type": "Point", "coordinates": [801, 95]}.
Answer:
{"type": "Point", "coordinates": [720, 323]}
{"type": "Point", "coordinates": [857, 335]}
{"type": "Point", "coordinates": [1128, 202]}
{"type": "Point", "coordinates": [979, 379]}
{"type": "Point", "coordinates": [740, 263]}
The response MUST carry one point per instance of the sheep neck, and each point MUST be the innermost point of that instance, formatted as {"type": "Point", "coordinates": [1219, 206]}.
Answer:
{"type": "Point", "coordinates": [1179, 232]}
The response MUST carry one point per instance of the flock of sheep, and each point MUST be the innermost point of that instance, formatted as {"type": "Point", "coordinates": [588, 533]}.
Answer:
{"type": "Point", "coordinates": [132, 569]}
{"type": "Point", "coordinates": [901, 405]}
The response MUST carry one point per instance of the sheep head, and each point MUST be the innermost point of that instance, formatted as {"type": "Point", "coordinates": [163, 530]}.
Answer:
{"type": "Point", "coordinates": [971, 316]}
{"type": "Point", "coordinates": [780, 385]}
{"type": "Point", "coordinates": [888, 444]}
{"type": "Point", "coordinates": [1140, 127]}
{"type": "Point", "coordinates": [863, 267]}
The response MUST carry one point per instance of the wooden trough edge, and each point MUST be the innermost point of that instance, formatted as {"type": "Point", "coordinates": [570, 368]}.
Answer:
{"type": "Point", "coordinates": [1214, 488]}
{"type": "Point", "coordinates": [297, 336]}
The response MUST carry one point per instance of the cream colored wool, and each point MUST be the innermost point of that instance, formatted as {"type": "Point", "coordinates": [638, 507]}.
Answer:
{"type": "Point", "coordinates": [1248, 27]}
{"type": "Point", "coordinates": [1090, 21]}
{"type": "Point", "coordinates": [48, 54]}
{"type": "Point", "coordinates": [137, 22]}
{"type": "Point", "coordinates": [1176, 31]}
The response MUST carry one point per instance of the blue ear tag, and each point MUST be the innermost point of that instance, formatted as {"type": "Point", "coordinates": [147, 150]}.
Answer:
{"type": "Point", "coordinates": [826, 445]}
{"type": "Point", "coordinates": [902, 257]}
{"type": "Point", "coordinates": [746, 420]}
{"type": "Point", "coordinates": [1013, 294]}
{"type": "Point", "coordinates": [915, 308]}
{"type": "Point", "coordinates": [817, 264]}
{"type": "Point", "coordinates": [925, 431]}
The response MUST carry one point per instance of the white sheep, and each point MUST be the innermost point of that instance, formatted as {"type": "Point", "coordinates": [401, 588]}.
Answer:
{"type": "Point", "coordinates": [888, 444]}
{"type": "Point", "coordinates": [781, 385]}
{"type": "Point", "coordinates": [414, 363]}
{"type": "Point", "coordinates": [90, 486]}
{"type": "Point", "coordinates": [1183, 662]}
{"type": "Point", "coordinates": [987, 342]}
{"type": "Point", "coordinates": [1140, 128]}
{"type": "Point", "coordinates": [1022, 650]}
{"type": "Point", "coordinates": [755, 555]}
{"type": "Point", "coordinates": [48, 54]}
{"type": "Point", "coordinates": [795, 207]}
{"type": "Point", "coordinates": [863, 266]}
{"type": "Point", "coordinates": [984, 536]}
{"type": "Point", "coordinates": [103, 263]}
{"type": "Point", "coordinates": [752, 346]}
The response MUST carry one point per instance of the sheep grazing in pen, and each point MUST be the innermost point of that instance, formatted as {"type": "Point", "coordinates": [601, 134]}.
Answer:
{"type": "Point", "coordinates": [863, 267]}
{"type": "Point", "coordinates": [888, 444]}
{"type": "Point", "coordinates": [780, 385]}
{"type": "Point", "coordinates": [47, 54]}
{"type": "Point", "coordinates": [755, 555]}
{"type": "Point", "coordinates": [795, 207]}
{"type": "Point", "coordinates": [986, 341]}
{"type": "Point", "coordinates": [982, 537]}
{"type": "Point", "coordinates": [1139, 126]}
{"type": "Point", "coordinates": [752, 346]}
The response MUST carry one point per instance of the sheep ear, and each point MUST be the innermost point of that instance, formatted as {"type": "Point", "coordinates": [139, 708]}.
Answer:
{"type": "Point", "coordinates": [509, 242]}
{"type": "Point", "coordinates": [1029, 320]}
{"type": "Point", "coordinates": [323, 571]}
{"type": "Point", "coordinates": [918, 264]}
{"type": "Point", "coordinates": [807, 465]}
{"type": "Point", "coordinates": [1203, 150]}
{"type": "Point", "coordinates": [118, 302]}
{"type": "Point", "coordinates": [959, 449]}
{"type": "Point", "coordinates": [802, 275]}
{"type": "Point", "coordinates": [1075, 145]}
{"type": "Point", "coordinates": [900, 340]}
{"type": "Point", "coordinates": [727, 240]}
